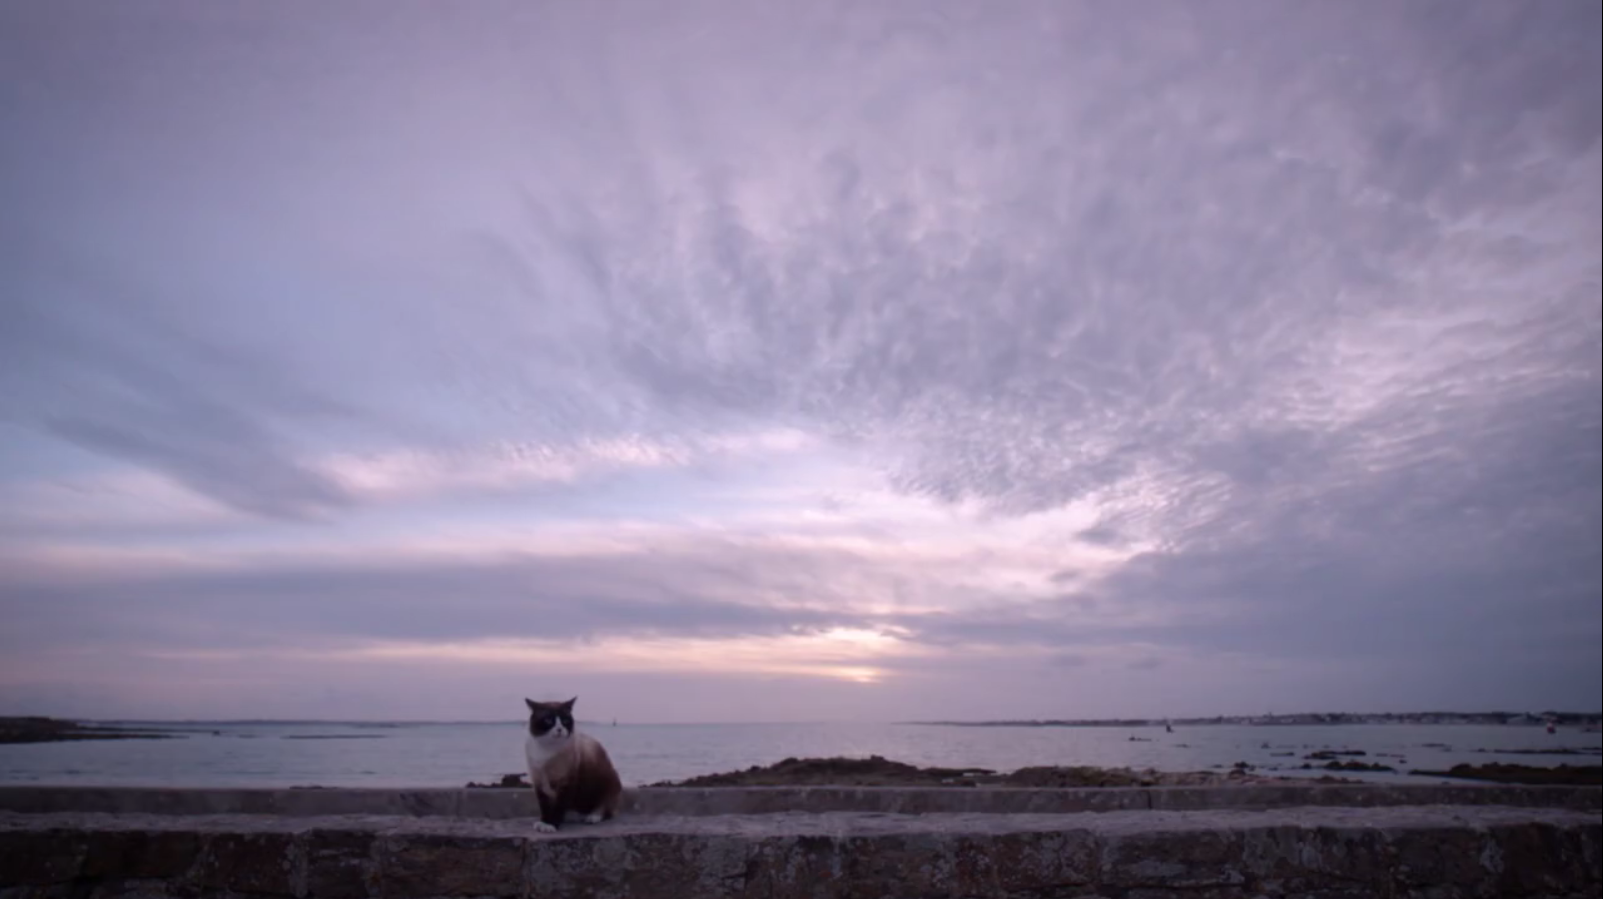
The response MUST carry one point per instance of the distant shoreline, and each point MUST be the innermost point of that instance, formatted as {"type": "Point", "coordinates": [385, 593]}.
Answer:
{"type": "Point", "coordinates": [44, 729]}
{"type": "Point", "coordinates": [55, 730]}
{"type": "Point", "coordinates": [1587, 720]}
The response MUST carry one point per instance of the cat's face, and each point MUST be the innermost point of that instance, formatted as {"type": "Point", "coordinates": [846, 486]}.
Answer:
{"type": "Point", "coordinates": [551, 722]}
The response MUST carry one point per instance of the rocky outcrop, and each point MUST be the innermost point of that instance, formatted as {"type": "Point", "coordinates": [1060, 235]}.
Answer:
{"type": "Point", "coordinates": [877, 771]}
{"type": "Point", "coordinates": [1503, 773]}
{"type": "Point", "coordinates": [54, 730]}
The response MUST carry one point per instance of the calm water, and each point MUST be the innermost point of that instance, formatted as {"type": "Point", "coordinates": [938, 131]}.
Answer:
{"type": "Point", "coordinates": [449, 755]}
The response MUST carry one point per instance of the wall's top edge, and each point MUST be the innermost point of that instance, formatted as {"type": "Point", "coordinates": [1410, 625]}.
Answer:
{"type": "Point", "coordinates": [498, 803]}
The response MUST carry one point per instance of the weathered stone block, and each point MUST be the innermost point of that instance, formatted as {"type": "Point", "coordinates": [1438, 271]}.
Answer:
{"type": "Point", "coordinates": [559, 869]}
{"type": "Point", "coordinates": [719, 866]}
{"type": "Point", "coordinates": [896, 865]}
{"type": "Point", "coordinates": [1188, 859]}
{"type": "Point", "coordinates": [42, 856]}
{"type": "Point", "coordinates": [139, 854]}
{"type": "Point", "coordinates": [1224, 892]}
{"type": "Point", "coordinates": [1442, 857]}
{"type": "Point", "coordinates": [138, 889]}
{"type": "Point", "coordinates": [1592, 850]}
{"type": "Point", "coordinates": [713, 865]}
{"type": "Point", "coordinates": [1363, 855]}
{"type": "Point", "coordinates": [55, 891]}
{"type": "Point", "coordinates": [1299, 860]}
{"type": "Point", "coordinates": [1031, 863]}
{"type": "Point", "coordinates": [266, 863]}
{"type": "Point", "coordinates": [427, 865]}
{"type": "Point", "coordinates": [339, 863]}
{"type": "Point", "coordinates": [1534, 859]}
{"type": "Point", "coordinates": [804, 866]}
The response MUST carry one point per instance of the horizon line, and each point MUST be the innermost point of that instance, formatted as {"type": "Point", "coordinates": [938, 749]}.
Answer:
{"type": "Point", "coordinates": [1134, 720]}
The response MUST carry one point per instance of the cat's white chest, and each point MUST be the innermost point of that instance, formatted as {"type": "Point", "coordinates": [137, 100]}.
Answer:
{"type": "Point", "coordinates": [537, 753]}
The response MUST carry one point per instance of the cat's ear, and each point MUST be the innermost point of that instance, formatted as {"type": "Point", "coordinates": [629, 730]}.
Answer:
{"type": "Point", "coordinates": [569, 704]}
{"type": "Point", "coordinates": [530, 703]}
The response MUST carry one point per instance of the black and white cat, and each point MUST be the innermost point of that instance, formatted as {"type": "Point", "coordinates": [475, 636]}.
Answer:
{"type": "Point", "coordinates": [569, 771]}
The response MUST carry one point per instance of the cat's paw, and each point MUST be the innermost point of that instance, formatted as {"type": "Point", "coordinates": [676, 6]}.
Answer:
{"type": "Point", "coordinates": [594, 818]}
{"type": "Point", "coordinates": [542, 827]}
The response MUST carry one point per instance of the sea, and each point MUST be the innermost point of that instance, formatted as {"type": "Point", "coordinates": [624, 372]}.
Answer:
{"type": "Point", "coordinates": [408, 754]}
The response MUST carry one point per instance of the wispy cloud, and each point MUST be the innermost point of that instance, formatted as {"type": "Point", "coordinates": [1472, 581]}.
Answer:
{"type": "Point", "coordinates": [1178, 345]}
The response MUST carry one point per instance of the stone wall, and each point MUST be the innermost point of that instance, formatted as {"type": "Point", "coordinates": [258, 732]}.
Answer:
{"type": "Point", "coordinates": [1211, 851]}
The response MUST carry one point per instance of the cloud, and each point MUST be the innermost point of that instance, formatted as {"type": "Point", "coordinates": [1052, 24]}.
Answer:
{"type": "Point", "coordinates": [96, 364]}
{"type": "Point", "coordinates": [1259, 335]}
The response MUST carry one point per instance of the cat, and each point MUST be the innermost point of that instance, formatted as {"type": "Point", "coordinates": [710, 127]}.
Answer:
{"type": "Point", "coordinates": [569, 771]}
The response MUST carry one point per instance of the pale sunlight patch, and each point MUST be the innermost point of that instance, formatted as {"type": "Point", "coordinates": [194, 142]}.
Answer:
{"type": "Point", "coordinates": [837, 654]}
{"type": "Point", "coordinates": [859, 675]}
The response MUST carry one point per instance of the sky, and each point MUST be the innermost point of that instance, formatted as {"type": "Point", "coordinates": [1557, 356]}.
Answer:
{"type": "Point", "coordinates": [731, 361]}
